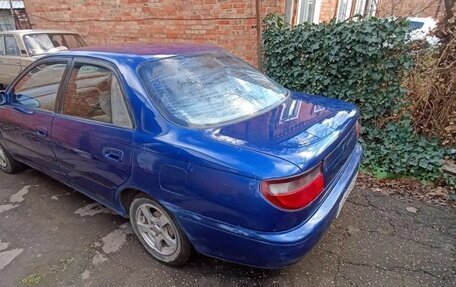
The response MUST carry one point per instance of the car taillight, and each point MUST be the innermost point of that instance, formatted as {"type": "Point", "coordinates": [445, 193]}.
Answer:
{"type": "Point", "coordinates": [296, 192]}
{"type": "Point", "coordinates": [358, 129]}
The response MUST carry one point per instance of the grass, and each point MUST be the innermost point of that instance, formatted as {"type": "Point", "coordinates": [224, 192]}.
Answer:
{"type": "Point", "coordinates": [32, 279]}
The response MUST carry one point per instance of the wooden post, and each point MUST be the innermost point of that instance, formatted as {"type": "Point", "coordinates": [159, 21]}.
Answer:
{"type": "Point", "coordinates": [258, 24]}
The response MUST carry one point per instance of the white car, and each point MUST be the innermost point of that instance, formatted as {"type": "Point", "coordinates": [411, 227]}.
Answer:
{"type": "Point", "coordinates": [420, 29]}
{"type": "Point", "coordinates": [19, 48]}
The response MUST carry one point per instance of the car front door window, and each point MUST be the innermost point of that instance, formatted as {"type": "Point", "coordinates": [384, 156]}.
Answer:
{"type": "Point", "coordinates": [39, 87]}
{"type": "Point", "coordinates": [94, 93]}
{"type": "Point", "coordinates": [29, 121]}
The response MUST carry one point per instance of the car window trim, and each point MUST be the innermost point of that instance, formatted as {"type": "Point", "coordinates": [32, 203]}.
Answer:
{"type": "Point", "coordinates": [10, 89]}
{"type": "Point", "coordinates": [104, 64]}
{"type": "Point", "coordinates": [81, 40]}
{"type": "Point", "coordinates": [25, 46]}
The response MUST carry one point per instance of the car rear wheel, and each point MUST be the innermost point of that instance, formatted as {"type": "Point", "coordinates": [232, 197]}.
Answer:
{"type": "Point", "coordinates": [8, 164]}
{"type": "Point", "coordinates": [158, 232]}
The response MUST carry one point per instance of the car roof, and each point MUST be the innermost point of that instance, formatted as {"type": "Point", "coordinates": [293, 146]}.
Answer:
{"type": "Point", "coordinates": [420, 19]}
{"type": "Point", "coordinates": [35, 31]}
{"type": "Point", "coordinates": [157, 50]}
{"type": "Point", "coordinates": [134, 54]}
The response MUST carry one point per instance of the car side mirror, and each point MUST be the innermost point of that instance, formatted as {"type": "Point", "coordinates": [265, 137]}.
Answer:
{"type": "Point", "coordinates": [27, 101]}
{"type": "Point", "coordinates": [2, 98]}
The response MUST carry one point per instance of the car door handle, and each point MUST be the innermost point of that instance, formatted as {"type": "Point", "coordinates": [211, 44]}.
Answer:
{"type": "Point", "coordinates": [41, 131]}
{"type": "Point", "coordinates": [113, 154]}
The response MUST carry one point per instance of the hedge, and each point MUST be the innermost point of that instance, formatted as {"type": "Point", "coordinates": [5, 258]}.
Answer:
{"type": "Point", "coordinates": [363, 62]}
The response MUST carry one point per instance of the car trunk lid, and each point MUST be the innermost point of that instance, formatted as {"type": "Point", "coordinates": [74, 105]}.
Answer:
{"type": "Point", "coordinates": [305, 130]}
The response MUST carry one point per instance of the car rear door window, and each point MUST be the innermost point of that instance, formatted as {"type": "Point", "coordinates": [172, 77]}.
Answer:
{"type": "Point", "coordinates": [94, 93]}
{"type": "Point", "coordinates": [70, 41]}
{"type": "Point", "coordinates": [11, 46]}
{"type": "Point", "coordinates": [2, 46]}
{"type": "Point", "coordinates": [39, 87]}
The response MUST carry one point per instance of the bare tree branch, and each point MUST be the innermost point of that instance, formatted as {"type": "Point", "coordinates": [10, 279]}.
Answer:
{"type": "Point", "coordinates": [449, 9]}
{"type": "Point", "coordinates": [398, 8]}
{"type": "Point", "coordinates": [425, 7]}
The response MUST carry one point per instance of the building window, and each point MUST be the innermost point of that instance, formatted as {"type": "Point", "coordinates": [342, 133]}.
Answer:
{"type": "Point", "coordinates": [366, 7]}
{"type": "Point", "coordinates": [344, 10]}
{"type": "Point", "coordinates": [289, 10]}
{"type": "Point", "coordinates": [371, 8]}
{"type": "Point", "coordinates": [305, 11]}
{"type": "Point", "coordinates": [5, 22]}
{"type": "Point", "coordinates": [360, 7]}
{"type": "Point", "coordinates": [290, 111]}
{"type": "Point", "coordinates": [348, 8]}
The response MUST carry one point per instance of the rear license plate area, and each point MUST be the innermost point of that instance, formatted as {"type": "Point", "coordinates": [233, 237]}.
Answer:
{"type": "Point", "coordinates": [347, 193]}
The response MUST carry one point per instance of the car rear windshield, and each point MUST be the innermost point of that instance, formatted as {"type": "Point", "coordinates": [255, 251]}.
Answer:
{"type": "Point", "coordinates": [209, 89]}
{"type": "Point", "coordinates": [43, 43]}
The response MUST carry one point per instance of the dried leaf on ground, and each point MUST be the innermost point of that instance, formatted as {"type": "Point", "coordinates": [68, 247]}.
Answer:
{"type": "Point", "coordinates": [408, 188]}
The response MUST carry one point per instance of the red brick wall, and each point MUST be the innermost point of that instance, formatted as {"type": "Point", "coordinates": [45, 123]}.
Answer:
{"type": "Point", "coordinates": [412, 8]}
{"type": "Point", "coordinates": [227, 23]}
{"type": "Point", "coordinates": [328, 10]}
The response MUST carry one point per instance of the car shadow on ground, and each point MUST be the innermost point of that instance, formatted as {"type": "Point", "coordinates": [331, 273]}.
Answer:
{"type": "Point", "coordinates": [65, 211]}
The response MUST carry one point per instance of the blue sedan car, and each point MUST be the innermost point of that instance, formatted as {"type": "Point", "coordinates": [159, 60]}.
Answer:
{"type": "Point", "coordinates": [199, 149]}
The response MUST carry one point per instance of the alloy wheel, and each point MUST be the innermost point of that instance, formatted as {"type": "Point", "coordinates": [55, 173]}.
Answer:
{"type": "Point", "coordinates": [156, 229]}
{"type": "Point", "coordinates": [3, 160]}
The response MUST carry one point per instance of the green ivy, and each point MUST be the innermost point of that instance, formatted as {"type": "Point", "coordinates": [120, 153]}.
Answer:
{"type": "Point", "coordinates": [396, 150]}
{"type": "Point", "coordinates": [363, 62]}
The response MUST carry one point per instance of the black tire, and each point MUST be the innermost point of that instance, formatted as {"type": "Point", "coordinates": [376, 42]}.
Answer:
{"type": "Point", "coordinates": [8, 164]}
{"type": "Point", "coordinates": [148, 229]}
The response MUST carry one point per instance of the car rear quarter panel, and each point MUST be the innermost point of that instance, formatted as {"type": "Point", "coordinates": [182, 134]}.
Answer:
{"type": "Point", "coordinates": [210, 186]}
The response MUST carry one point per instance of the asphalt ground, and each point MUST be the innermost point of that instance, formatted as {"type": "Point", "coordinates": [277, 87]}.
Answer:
{"type": "Point", "coordinates": [53, 236]}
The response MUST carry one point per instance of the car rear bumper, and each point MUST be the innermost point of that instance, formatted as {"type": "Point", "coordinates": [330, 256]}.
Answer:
{"type": "Point", "coordinates": [269, 249]}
